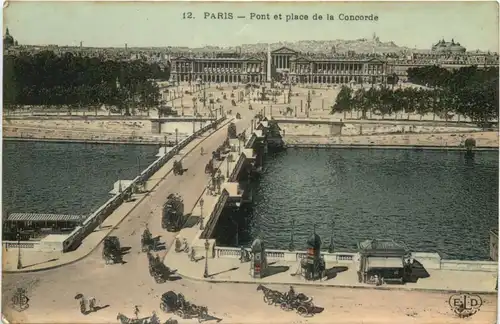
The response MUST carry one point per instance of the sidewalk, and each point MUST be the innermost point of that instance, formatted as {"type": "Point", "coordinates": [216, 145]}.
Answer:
{"type": "Point", "coordinates": [231, 270]}
{"type": "Point", "coordinates": [38, 261]}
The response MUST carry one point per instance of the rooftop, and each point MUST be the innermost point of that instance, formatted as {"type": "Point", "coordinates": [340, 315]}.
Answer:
{"type": "Point", "coordinates": [31, 217]}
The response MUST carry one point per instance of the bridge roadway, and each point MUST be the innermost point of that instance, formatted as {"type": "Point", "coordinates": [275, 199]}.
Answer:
{"type": "Point", "coordinates": [122, 287]}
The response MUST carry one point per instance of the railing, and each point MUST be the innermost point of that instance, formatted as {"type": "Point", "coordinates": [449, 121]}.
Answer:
{"type": "Point", "coordinates": [241, 159]}
{"type": "Point", "coordinates": [462, 265]}
{"type": "Point", "coordinates": [105, 210]}
{"type": "Point", "coordinates": [22, 245]}
{"type": "Point", "coordinates": [292, 256]}
{"type": "Point", "coordinates": [212, 220]}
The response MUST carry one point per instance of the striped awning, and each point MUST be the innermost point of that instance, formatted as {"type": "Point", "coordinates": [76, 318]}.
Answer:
{"type": "Point", "coordinates": [387, 262]}
{"type": "Point", "coordinates": [30, 217]}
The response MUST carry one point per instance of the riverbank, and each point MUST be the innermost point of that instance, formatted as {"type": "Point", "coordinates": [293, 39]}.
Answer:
{"type": "Point", "coordinates": [103, 141]}
{"type": "Point", "coordinates": [449, 141]}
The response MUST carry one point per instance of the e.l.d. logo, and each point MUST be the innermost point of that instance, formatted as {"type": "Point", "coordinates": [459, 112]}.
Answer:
{"type": "Point", "coordinates": [465, 305]}
{"type": "Point", "coordinates": [20, 300]}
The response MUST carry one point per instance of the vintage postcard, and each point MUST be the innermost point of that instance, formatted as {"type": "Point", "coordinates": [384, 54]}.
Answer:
{"type": "Point", "coordinates": [250, 162]}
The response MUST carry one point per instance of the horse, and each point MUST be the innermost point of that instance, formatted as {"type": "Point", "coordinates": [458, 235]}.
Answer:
{"type": "Point", "coordinates": [271, 296]}
{"type": "Point", "coordinates": [125, 320]}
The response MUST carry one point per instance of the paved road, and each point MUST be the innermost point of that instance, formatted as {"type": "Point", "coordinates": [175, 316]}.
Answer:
{"type": "Point", "coordinates": [122, 287]}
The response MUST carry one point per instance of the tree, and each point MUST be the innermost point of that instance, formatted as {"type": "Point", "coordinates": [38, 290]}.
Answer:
{"type": "Point", "coordinates": [344, 102]}
{"type": "Point", "coordinates": [46, 79]}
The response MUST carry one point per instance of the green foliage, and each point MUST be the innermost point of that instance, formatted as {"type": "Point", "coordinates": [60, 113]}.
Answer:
{"type": "Point", "coordinates": [344, 101]}
{"type": "Point", "coordinates": [48, 80]}
{"type": "Point", "coordinates": [468, 91]}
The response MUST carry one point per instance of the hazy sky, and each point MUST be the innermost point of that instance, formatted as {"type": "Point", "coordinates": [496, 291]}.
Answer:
{"type": "Point", "coordinates": [473, 24]}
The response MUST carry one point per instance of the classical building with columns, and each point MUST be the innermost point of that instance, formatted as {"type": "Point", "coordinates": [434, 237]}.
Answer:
{"type": "Point", "coordinates": [285, 64]}
{"type": "Point", "coordinates": [219, 69]}
{"type": "Point", "coordinates": [327, 69]}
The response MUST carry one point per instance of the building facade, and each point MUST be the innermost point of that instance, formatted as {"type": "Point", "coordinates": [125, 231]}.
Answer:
{"type": "Point", "coordinates": [332, 69]}
{"type": "Point", "coordinates": [218, 69]}
{"type": "Point", "coordinates": [296, 67]}
{"type": "Point", "coordinates": [286, 64]}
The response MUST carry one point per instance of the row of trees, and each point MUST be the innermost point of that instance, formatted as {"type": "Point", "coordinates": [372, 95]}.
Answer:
{"type": "Point", "coordinates": [45, 79]}
{"type": "Point", "coordinates": [468, 92]}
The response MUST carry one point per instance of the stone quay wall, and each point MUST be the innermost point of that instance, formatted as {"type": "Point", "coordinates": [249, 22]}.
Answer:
{"type": "Point", "coordinates": [328, 127]}
{"type": "Point", "coordinates": [105, 129]}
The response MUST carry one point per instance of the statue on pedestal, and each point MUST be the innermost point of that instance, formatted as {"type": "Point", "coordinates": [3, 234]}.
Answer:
{"type": "Point", "coordinates": [259, 259]}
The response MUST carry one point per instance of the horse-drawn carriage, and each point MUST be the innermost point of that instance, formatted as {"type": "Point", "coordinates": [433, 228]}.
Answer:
{"type": "Point", "coordinates": [302, 304]}
{"type": "Point", "coordinates": [158, 270]}
{"type": "Point", "coordinates": [209, 167]}
{"type": "Point", "coordinates": [111, 251]}
{"type": "Point", "coordinates": [216, 155]}
{"type": "Point", "coordinates": [173, 213]}
{"type": "Point", "coordinates": [147, 241]}
{"type": "Point", "coordinates": [177, 304]}
{"type": "Point", "coordinates": [178, 169]}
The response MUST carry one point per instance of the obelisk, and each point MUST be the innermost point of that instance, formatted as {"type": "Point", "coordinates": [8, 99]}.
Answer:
{"type": "Point", "coordinates": [268, 63]}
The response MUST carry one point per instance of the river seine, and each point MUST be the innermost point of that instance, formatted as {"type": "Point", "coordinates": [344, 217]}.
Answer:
{"type": "Point", "coordinates": [67, 178]}
{"type": "Point", "coordinates": [433, 201]}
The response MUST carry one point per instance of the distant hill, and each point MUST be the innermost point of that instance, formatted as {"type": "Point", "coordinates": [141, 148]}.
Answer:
{"type": "Point", "coordinates": [362, 45]}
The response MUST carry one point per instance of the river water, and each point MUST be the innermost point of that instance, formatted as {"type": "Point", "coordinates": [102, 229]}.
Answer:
{"type": "Point", "coordinates": [67, 178]}
{"type": "Point", "coordinates": [433, 201]}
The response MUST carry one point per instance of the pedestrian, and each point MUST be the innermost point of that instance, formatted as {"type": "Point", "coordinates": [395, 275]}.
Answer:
{"type": "Point", "coordinates": [136, 311]}
{"type": "Point", "coordinates": [92, 302]}
{"type": "Point", "coordinates": [83, 307]}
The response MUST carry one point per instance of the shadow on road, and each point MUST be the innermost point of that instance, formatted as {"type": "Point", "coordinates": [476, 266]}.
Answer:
{"type": "Point", "coordinates": [333, 271]}
{"type": "Point", "coordinates": [35, 264]}
{"type": "Point", "coordinates": [225, 271]}
{"type": "Point", "coordinates": [210, 318]}
{"type": "Point", "coordinates": [272, 270]}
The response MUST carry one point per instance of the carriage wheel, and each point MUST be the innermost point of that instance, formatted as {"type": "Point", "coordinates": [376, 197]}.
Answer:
{"type": "Point", "coordinates": [302, 311]}
{"type": "Point", "coordinates": [181, 314]}
{"type": "Point", "coordinates": [202, 316]}
{"type": "Point", "coordinates": [285, 307]}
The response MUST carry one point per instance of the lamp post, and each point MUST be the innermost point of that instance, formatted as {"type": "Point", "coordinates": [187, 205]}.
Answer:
{"type": "Point", "coordinates": [291, 246]}
{"type": "Point", "coordinates": [237, 235]}
{"type": "Point", "coordinates": [19, 263]}
{"type": "Point", "coordinates": [331, 246]}
{"type": "Point", "coordinates": [139, 164]}
{"type": "Point", "coordinates": [204, 98]}
{"type": "Point", "coordinates": [227, 169]}
{"type": "Point", "coordinates": [176, 136]}
{"type": "Point", "coordinates": [194, 125]}
{"type": "Point", "coordinates": [207, 246]}
{"type": "Point", "coordinates": [201, 213]}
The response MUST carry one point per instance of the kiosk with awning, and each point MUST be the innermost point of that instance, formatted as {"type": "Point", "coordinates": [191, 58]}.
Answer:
{"type": "Point", "coordinates": [31, 225]}
{"type": "Point", "coordinates": [386, 260]}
